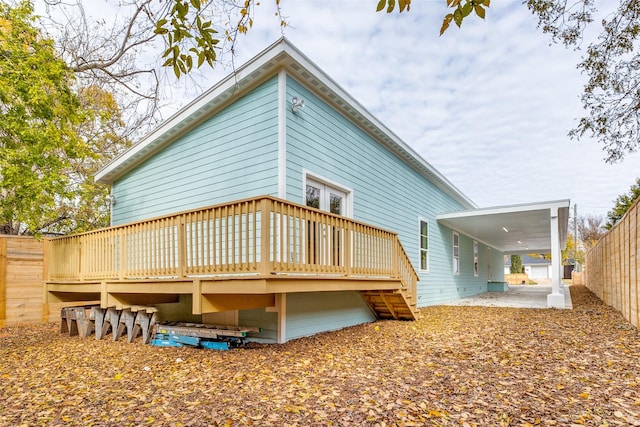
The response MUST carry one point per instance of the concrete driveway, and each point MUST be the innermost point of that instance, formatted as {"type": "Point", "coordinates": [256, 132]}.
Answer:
{"type": "Point", "coordinates": [519, 296]}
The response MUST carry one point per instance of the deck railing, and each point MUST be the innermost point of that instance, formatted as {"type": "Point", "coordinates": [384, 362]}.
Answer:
{"type": "Point", "coordinates": [261, 236]}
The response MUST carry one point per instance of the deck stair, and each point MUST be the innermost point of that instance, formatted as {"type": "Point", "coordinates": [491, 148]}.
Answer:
{"type": "Point", "coordinates": [392, 304]}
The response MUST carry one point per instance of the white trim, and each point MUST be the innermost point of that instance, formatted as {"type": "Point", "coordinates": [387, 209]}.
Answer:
{"type": "Point", "coordinates": [282, 134]}
{"type": "Point", "coordinates": [506, 209]}
{"type": "Point", "coordinates": [476, 259]}
{"type": "Point", "coordinates": [420, 221]}
{"type": "Point", "coordinates": [455, 258]}
{"type": "Point", "coordinates": [307, 175]}
{"type": "Point", "coordinates": [111, 203]}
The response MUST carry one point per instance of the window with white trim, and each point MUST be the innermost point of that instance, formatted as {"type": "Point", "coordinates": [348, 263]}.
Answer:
{"type": "Point", "coordinates": [475, 259]}
{"type": "Point", "coordinates": [424, 245]}
{"type": "Point", "coordinates": [456, 253]}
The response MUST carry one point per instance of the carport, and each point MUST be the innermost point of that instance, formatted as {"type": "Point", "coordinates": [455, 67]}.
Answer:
{"type": "Point", "coordinates": [520, 229]}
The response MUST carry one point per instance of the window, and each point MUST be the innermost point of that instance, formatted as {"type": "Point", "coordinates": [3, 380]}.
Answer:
{"type": "Point", "coordinates": [456, 253]}
{"type": "Point", "coordinates": [475, 258]}
{"type": "Point", "coordinates": [424, 245]}
{"type": "Point", "coordinates": [313, 196]}
{"type": "Point", "coordinates": [327, 197]}
{"type": "Point", "coordinates": [325, 242]}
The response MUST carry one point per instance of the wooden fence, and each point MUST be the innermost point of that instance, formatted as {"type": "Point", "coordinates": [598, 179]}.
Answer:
{"type": "Point", "coordinates": [21, 275]}
{"type": "Point", "coordinates": [612, 268]}
{"type": "Point", "coordinates": [517, 279]}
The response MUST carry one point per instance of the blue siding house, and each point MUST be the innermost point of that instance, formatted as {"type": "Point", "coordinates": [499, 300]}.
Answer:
{"type": "Point", "coordinates": [281, 128]}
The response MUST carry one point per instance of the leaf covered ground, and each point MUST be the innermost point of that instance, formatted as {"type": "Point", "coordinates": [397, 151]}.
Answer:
{"type": "Point", "coordinates": [457, 366]}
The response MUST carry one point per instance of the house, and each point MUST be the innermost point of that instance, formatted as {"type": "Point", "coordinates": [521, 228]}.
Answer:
{"type": "Point", "coordinates": [276, 200]}
{"type": "Point", "coordinates": [534, 267]}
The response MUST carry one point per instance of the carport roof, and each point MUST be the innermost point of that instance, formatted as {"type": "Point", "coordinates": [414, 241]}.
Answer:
{"type": "Point", "coordinates": [515, 229]}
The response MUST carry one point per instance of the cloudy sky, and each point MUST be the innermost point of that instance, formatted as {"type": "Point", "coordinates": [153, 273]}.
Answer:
{"type": "Point", "coordinates": [488, 105]}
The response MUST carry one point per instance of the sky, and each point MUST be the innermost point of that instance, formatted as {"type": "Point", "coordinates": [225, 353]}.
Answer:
{"type": "Point", "coordinates": [488, 105]}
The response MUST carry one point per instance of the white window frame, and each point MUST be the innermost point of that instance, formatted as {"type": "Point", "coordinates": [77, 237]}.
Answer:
{"type": "Point", "coordinates": [455, 253]}
{"type": "Point", "coordinates": [309, 176]}
{"type": "Point", "coordinates": [476, 259]}
{"type": "Point", "coordinates": [420, 248]}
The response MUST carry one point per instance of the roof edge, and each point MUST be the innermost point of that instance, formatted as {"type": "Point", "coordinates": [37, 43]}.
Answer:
{"type": "Point", "coordinates": [523, 207]}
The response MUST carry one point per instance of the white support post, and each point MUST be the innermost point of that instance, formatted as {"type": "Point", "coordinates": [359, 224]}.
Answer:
{"type": "Point", "coordinates": [555, 299]}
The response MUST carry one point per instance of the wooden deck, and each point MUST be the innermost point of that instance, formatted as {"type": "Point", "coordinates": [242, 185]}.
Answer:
{"type": "Point", "coordinates": [233, 256]}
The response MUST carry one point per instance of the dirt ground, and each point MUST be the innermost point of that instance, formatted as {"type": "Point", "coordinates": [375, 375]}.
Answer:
{"type": "Point", "coordinates": [457, 366]}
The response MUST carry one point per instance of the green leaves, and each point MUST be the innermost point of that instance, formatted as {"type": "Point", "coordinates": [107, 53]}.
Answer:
{"type": "Point", "coordinates": [610, 99]}
{"type": "Point", "coordinates": [463, 10]}
{"type": "Point", "coordinates": [54, 136]}
{"type": "Point", "coordinates": [622, 204]}
{"type": "Point", "coordinates": [39, 119]}
{"type": "Point", "coordinates": [190, 38]}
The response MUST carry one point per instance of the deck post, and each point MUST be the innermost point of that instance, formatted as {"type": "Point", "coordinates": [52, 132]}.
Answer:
{"type": "Point", "coordinates": [123, 255]}
{"type": "Point", "coordinates": [104, 295]}
{"type": "Point", "coordinates": [196, 297]}
{"type": "Point", "coordinates": [182, 247]}
{"type": "Point", "coordinates": [395, 256]}
{"type": "Point", "coordinates": [46, 258]}
{"type": "Point", "coordinates": [348, 261]}
{"type": "Point", "coordinates": [80, 269]}
{"type": "Point", "coordinates": [265, 236]}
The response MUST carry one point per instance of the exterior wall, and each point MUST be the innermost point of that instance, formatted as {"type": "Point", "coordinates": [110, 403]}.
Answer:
{"type": "Point", "coordinates": [231, 156]}
{"type": "Point", "coordinates": [310, 313]}
{"type": "Point", "coordinates": [178, 312]}
{"type": "Point", "coordinates": [260, 318]}
{"type": "Point", "coordinates": [386, 192]}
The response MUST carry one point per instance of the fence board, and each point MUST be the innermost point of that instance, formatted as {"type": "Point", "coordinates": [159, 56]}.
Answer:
{"type": "Point", "coordinates": [612, 268]}
{"type": "Point", "coordinates": [21, 279]}
{"type": "Point", "coordinates": [634, 266]}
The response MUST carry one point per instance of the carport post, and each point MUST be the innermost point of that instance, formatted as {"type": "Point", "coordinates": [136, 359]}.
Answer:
{"type": "Point", "coordinates": [555, 299]}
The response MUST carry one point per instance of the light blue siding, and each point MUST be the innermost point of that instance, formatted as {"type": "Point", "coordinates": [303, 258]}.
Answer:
{"type": "Point", "coordinates": [386, 192]}
{"type": "Point", "coordinates": [230, 156]}
{"type": "Point", "coordinates": [260, 318]}
{"type": "Point", "coordinates": [310, 313]}
{"type": "Point", "coordinates": [180, 311]}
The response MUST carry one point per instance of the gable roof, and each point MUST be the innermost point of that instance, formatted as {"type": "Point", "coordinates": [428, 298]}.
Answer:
{"type": "Point", "coordinates": [278, 56]}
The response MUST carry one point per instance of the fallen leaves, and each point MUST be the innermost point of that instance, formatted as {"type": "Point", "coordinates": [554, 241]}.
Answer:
{"type": "Point", "coordinates": [457, 366]}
